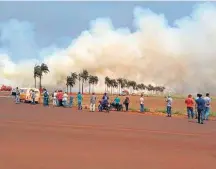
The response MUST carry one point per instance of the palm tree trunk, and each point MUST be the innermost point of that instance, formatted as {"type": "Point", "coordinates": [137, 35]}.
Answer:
{"type": "Point", "coordinates": [35, 82]}
{"type": "Point", "coordinates": [67, 88]}
{"type": "Point", "coordinates": [70, 89]}
{"type": "Point", "coordinates": [79, 85]}
{"type": "Point", "coordinates": [89, 88]}
{"type": "Point", "coordinates": [40, 82]}
{"type": "Point", "coordinates": [82, 86]}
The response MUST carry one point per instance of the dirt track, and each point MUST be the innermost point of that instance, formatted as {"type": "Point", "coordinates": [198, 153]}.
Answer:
{"type": "Point", "coordinates": [34, 137]}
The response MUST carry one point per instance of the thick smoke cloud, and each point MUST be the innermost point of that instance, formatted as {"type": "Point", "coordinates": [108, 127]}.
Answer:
{"type": "Point", "coordinates": [181, 57]}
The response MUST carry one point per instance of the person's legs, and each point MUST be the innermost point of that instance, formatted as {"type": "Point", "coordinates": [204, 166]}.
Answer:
{"type": "Point", "coordinates": [44, 101]}
{"type": "Point", "coordinates": [54, 102]}
{"type": "Point", "coordinates": [79, 105]}
{"type": "Point", "coordinates": [16, 99]}
{"type": "Point", "coordinates": [207, 111]}
{"type": "Point", "coordinates": [33, 101]}
{"type": "Point", "coordinates": [141, 107]}
{"type": "Point", "coordinates": [117, 106]}
{"type": "Point", "coordinates": [126, 106]}
{"type": "Point", "coordinates": [188, 112]}
{"type": "Point", "coordinates": [199, 115]}
{"type": "Point", "coordinates": [168, 111]}
{"type": "Point", "coordinates": [93, 107]}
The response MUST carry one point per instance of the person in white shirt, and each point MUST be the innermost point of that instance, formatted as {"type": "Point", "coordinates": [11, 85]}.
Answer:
{"type": "Point", "coordinates": [141, 103]}
{"type": "Point", "coordinates": [55, 99]}
{"type": "Point", "coordinates": [169, 106]}
{"type": "Point", "coordinates": [207, 106]}
{"type": "Point", "coordinates": [33, 95]}
{"type": "Point", "coordinates": [64, 99]}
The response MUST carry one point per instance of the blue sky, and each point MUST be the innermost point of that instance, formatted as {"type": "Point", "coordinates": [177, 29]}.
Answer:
{"type": "Point", "coordinates": [57, 23]}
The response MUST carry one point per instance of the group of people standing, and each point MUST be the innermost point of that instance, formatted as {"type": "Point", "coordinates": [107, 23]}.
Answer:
{"type": "Point", "coordinates": [198, 108]}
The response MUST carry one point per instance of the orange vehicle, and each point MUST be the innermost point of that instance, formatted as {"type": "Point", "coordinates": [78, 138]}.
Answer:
{"type": "Point", "coordinates": [25, 95]}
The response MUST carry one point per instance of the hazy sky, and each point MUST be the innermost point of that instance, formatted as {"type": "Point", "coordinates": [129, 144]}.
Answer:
{"type": "Point", "coordinates": [57, 23]}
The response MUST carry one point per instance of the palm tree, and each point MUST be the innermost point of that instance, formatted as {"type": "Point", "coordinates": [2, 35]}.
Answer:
{"type": "Point", "coordinates": [68, 82]}
{"type": "Point", "coordinates": [120, 82]}
{"type": "Point", "coordinates": [95, 82]}
{"type": "Point", "coordinates": [43, 70]}
{"type": "Point", "coordinates": [114, 84]}
{"type": "Point", "coordinates": [133, 85]}
{"type": "Point", "coordinates": [91, 81]}
{"type": "Point", "coordinates": [72, 82]}
{"type": "Point", "coordinates": [74, 77]}
{"type": "Point", "coordinates": [36, 73]}
{"type": "Point", "coordinates": [107, 82]}
{"type": "Point", "coordinates": [84, 76]}
{"type": "Point", "coordinates": [79, 79]}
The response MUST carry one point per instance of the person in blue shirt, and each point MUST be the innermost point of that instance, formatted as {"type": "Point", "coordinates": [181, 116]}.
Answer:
{"type": "Point", "coordinates": [79, 101]}
{"type": "Point", "coordinates": [45, 98]}
{"type": "Point", "coordinates": [200, 102]}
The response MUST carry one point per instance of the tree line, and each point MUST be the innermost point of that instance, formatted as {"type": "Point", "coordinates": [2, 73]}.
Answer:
{"type": "Point", "coordinates": [84, 77]}
{"type": "Point", "coordinates": [121, 83]}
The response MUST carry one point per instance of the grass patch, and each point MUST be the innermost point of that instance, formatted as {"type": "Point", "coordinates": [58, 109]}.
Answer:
{"type": "Point", "coordinates": [161, 111]}
{"type": "Point", "coordinates": [213, 114]}
{"type": "Point", "coordinates": [132, 109]}
{"type": "Point", "coordinates": [146, 109]}
{"type": "Point", "coordinates": [178, 112]}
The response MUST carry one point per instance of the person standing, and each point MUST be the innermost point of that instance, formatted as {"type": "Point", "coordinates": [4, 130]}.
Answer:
{"type": "Point", "coordinates": [117, 102]}
{"type": "Point", "coordinates": [141, 103]}
{"type": "Point", "coordinates": [45, 98]}
{"type": "Point", "coordinates": [190, 104]}
{"type": "Point", "coordinates": [196, 113]}
{"type": "Point", "coordinates": [79, 100]}
{"type": "Point", "coordinates": [126, 103]}
{"type": "Point", "coordinates": [92, 102]}
{"type": "Point", "coordinates": [64, 100]}
{"type": "Point", "coordinates": [17, 98]}
{"type": "Point", "coordinates": [169, 101]}
{"type": "Point", "coordinates": [33, 95]}
{"type": "Point", "coordinates": [207, 106]}
{"type": "Point", "coordinates": [55, 98]}
{"type": "Point", "coordinates": [59, 97]}
{"type": "Point", "coordinates": [200, 108]}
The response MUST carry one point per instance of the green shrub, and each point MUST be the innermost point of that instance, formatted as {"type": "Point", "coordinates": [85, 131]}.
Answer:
{"type": "Point", "coordinates": [146, 109]}
{"type": "Point", "coordinates": [178, 113]}
{"type": "Point", "coordinates": [213, 114]}
{"type": "Point", "coordinates": [132, 109]}
{"type": "Point", "coordinates": [161, 111]}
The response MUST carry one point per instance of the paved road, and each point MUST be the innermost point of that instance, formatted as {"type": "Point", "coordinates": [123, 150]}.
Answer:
{"type": "Point", "coordinates": [34, 137]}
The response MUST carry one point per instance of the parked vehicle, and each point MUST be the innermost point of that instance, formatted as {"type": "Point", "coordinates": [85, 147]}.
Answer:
{"type": "Point", "coordinates": [25, 95]}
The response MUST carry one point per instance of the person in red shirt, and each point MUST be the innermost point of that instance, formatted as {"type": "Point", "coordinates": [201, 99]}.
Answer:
{"type": "Point", "coordinates": [59, 97]}
{"type": "Point", "coordinates": [190, 105]}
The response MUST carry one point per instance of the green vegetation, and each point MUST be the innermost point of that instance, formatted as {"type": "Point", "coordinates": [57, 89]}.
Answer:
{"type": "Point", "coordinates": [160, 110]}
{"type": "Point", "coordinates": [213, 114]}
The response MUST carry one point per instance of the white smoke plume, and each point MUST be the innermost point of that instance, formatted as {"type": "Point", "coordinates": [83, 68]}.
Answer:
{"type": "Point", "coordinates": [181, 57]}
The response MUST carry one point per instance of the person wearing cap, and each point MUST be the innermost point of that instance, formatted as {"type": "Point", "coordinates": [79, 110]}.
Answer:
{"type": "Point", "coordinates": [190, 104]}
{"type": "Point", "coordinates": [92, 102]}
{"type": "Point", "coordinates": [200, 108]}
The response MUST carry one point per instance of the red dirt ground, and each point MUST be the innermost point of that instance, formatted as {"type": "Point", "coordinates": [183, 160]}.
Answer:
{"type": "Point", "coordinates": [34, 137]}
